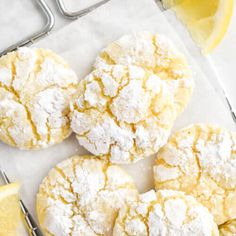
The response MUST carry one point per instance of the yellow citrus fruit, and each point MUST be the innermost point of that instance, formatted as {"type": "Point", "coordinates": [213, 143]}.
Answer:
{"type": "Point", "coordinates": [207, 20]}
{"type": "Point", "coordinates": [10, 213]}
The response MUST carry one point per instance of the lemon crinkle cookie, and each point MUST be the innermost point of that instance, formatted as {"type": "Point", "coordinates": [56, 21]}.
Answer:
{"type": "Point", "coordinates": [35, 88]}
{"type": "Point", "coordinates": [201, 161]}
{"type": "Point", "coordinates": [123, 112]}
{"type": "Point", "coordinates": [156, 53]}
{"type": "Point", "coordinates": [166, 213]}
{"type": "Point", "coordinates": [81, 196]}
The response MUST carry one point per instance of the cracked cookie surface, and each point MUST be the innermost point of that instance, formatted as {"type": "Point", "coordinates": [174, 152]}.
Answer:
{"type": "Point", "coordinates": [35, 88]}
{"type": "Point", "coordinates": [200, 160]}
{"type": "Point", "coordinates": [156, 53]}
{"type": "Point", "coordinates": [228, 229]}
{"type": "Point", "coordinates": [166, 213]}
{"type": "Point", "coordinates": [124, 113]}
{"type": "Point", "coordinates": [81, 196]}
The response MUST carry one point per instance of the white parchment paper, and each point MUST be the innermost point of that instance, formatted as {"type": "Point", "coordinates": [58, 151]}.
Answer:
{"type": "Point", "coordinates": [79, 43]}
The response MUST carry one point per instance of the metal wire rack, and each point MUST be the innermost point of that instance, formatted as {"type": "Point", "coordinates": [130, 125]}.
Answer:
{"type": "Point", "coordinates": [217, 84]}
{"type": "Point", "coordinates": [50, 20]}
{"type": "Point", "coordinates": [75, 15]}
{"type": "Point", "coordinates": [41, 33]}
{"type": "Point", "coordinates": [31, 224]}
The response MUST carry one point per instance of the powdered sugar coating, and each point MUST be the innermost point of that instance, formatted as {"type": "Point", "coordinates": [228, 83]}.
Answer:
{"type": "Point", "coordinates": [155, 53]}
{"type": "Point", "coordinates": [166, 213]}
{"type": "Point", "coordinates": [201, 161]}
{"type": "Point", "coordinates": [121, 115]}
{"type": "Point", "coordinates": [35, 88]}
{"type": "Point", "coordinates": [81, 196]}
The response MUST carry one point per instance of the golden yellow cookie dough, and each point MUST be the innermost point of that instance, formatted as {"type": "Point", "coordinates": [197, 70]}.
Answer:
{"type": "Point", "coordinates": [201, 161]}
{"type": "Point", "coordinates": [228, 229]}
{"type": "Point", "coordinates": [81, 196]}
{"type": "Point", "coordinates": [124, 113]}
{"type": "Point", "coordinates": [35, 88]}
{"type": "Point", "coordinates": [165, 213]}
{"type": "Point", "coordinates": [156, 53]}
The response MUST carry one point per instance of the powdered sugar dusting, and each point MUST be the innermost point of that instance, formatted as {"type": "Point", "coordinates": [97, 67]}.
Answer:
{"type": "Point", "coordinates": [135, 100]}
{"type": "Point", "coordinates": [81, 196]}
{"type": "Point", "coordinates": [41, 85]}
{"type": "Point", "coordinates": [117, 118]}
{"type": "Point", "coordinates": [168, 213]}
{"type": "Point", "coordinates": [155, 53]}
{"type": "Point", "coordinates": [200, 160]}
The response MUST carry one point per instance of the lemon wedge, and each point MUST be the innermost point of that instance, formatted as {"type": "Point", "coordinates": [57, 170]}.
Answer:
{"type": "Point", "coordinates": [207, 20]}
{"type": "Point", "coordinates": [10, 213]}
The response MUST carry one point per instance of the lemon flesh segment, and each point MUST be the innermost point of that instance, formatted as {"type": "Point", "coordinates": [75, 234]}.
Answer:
{"type": "Point", "coordinates": [10, 213]}
{"type": "Point", "coordinates": [207, 21]}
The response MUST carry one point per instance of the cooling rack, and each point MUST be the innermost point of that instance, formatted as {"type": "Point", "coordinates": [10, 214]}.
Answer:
{"type": "Point", "coordinates": [50, 21]}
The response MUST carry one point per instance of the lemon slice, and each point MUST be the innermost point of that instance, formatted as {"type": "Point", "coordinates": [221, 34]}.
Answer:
{"type": "Point", "coordinates": [207, 20]}
{"type": "Point", "coordinates": [10, 213]}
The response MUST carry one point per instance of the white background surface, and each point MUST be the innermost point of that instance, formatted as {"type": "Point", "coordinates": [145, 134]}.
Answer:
{"type": "Point", "coordinates": [79, 42]}
{"type": "Point", "coordinates": [22, 19]}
